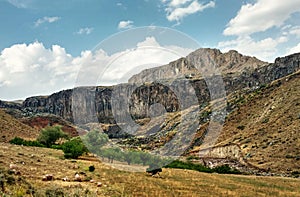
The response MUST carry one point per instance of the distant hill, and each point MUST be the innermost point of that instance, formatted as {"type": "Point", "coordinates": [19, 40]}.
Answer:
{"type": "Point", "coordinates": [10, 127]}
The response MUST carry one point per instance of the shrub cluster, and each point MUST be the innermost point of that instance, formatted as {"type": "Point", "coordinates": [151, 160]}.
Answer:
{"type": "Point", "coordinates": [20, 141]}
{"type": "Point", "coordinates": [132, 157]}
{"type": "Point", "coordinates": [223, 169]}
{"type": "Point", "coordinates": [74, 148]}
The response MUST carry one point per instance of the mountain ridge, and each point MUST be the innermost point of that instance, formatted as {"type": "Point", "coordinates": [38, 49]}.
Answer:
{"type": "Point", "coordinates": [60, 103]}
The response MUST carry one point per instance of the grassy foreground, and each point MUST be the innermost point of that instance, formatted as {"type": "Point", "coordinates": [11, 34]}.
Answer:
{"type": "Point", "coordinates": [33, 163]}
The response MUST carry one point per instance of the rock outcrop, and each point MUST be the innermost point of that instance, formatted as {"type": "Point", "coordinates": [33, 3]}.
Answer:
{"type": "Point", "coordinates": [230, 62]}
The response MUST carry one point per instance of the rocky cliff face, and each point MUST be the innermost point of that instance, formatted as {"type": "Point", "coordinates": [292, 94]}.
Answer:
{"type": "Point", "coordinates": [96, 103]}
{"type": "Point", "coordinates": [230, 62]}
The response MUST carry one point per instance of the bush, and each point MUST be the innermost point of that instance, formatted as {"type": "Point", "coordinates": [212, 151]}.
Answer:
{"type": "Point", "coordinates": [224, 169]}
{"type": "Point", "coordinates": [132, 157]}
{"type": "Point", "coordinates": [73, 148]}
{"type": "Point", "coordinates": [58, 147]}
{"type": "Point", "coordinates": [189, 166]}
{"type": "Point", "coordinates": [112, 154]}
{"type": "Point", "coordinates": [94, 140]}
{"type": "Point", "coordinates": [20, 141]}
{"type": "Point", "coordinates": [91, 168]}
{"type": "Point", "coordinates": [50, 135]}
{"type": "Point", "coordinates": [145, 158]}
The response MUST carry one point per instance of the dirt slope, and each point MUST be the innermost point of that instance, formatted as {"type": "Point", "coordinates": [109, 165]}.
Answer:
{"type": "Point", "coordinates": [10, 127]}
{"type": "Point", "coordinates": [266, 126]}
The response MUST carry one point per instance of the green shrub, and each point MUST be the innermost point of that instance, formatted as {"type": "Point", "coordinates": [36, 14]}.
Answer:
{"type": "Point", "coordinates": [189, 166]}
{"type": "Point", "coordinates": [91, 168]}
{"type": "Point", "coordinates": [57, 146]}
{"type": "Point", "coordinates": [73, 148]}
{"type": "Point", "coordinates": [17, 141]}
{"type": "Point", "coordinates": [50, 135]}
{"type": "Point", "coordinates": [224, 169]}
{"type": "Point", "coordinates": [20, 141]}
{"type": "Point", "coordinates": [132, 157]}
{"type": "Point", "coordinates": [112, 154]}
{"type": "Point", "coordinates": [192, 157]}
{"type": "Point", "coordinates": [95, 140]}
{"type": "Point", "coordinates": [145, 158]}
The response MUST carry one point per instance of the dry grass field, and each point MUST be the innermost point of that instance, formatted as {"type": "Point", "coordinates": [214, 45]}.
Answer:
{"type": "Point", "coordinates": [33, 163]}
{"type": "Point", "coordinates": [11, 127]}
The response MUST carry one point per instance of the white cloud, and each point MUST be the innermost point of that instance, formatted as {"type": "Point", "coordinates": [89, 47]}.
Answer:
{"type": "Point", "coordinates": [261, 16]}
{"type": "Point", "coordinates": [34, 69]}
{"type": "Point", "coordinates": [20, 3]}
{"type": "Point", "coordinates": [265, 49]}
{"type": "Point", "coordinates": [295, 49]}
{"type": "Point", "coordinates": [27, 70]}
{"type": "Point", "coordinates": [178, 9]}
{"type": "Point", "coordinates": [295, 31]}
{"type": "Point", "coordinates": [86, 30]}
{"type": "Point", "coordinates": [125, 24]}
{"type": "Point", "coordinates": [176, 3]}
{"type": "Point", "coordinates": [46, 19]}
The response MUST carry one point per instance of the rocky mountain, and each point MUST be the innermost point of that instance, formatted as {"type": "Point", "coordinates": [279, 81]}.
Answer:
{"type": "Point", "coordinates": [261, 108]}
{"type": "Point", "coordinates": [230, 62]}
{"type": "Point", "coordinates": [95, 103]}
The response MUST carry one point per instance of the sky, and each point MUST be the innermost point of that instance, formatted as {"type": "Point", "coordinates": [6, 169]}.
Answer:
{"type": "Point", "coordinates": [47, 46]}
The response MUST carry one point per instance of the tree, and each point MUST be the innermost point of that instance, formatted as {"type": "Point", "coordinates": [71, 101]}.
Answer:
{"type": "Point", "coordinates": [145, 158]}
{"type": "Point", "coordinates": [73, 148]}
{"type": "Point", "coordinates": [132, 157]}
{"type": "Point", "coordinates": [155, 162]}
{"type": "Point", "coordinates": [50, 135]}
{"type": "Point", "coordinates": [94, 140]}
{"type": "Point", "coordinates": [111, 153]}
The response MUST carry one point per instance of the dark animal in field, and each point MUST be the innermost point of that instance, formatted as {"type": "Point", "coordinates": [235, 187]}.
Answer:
{"type": "Point", "coordinates": [154, 171]}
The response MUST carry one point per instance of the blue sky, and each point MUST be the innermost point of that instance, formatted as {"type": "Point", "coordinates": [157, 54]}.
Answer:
{"type": "Point", "coordinates": [102, 18]}
{"type": "Point", "coordinates": [43, 44]}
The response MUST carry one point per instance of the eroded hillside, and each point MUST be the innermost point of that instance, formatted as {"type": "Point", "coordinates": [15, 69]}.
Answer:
{"type": "Point", "coordinates": [266, 126]}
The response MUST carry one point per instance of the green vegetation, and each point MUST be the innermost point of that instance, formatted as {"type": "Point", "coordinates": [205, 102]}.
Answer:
{"type": "Point", "coordinates": [50, 135]}
{"type": "Point", "coordinates": [188, 166]}
{"type": "Point", "coordinates": [20, 141]}
{"type": "Point", "coordinates": [111, 154]}
{"type": "Point", "coordinates": [94, 140]}
{"type": "Point", "coordinates": [74, 148]}
{"type": "Point", "coordinates": [224, 169]}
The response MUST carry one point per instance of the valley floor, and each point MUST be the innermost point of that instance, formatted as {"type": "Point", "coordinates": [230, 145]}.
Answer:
{"type": "Point", "coordinates": [33, 163]}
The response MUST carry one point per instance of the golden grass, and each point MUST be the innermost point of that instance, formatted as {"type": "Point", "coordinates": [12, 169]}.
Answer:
{"type": "Point", "coordinates": [173, 182]}
{"type": "Point", "coordinates": [11, 127]}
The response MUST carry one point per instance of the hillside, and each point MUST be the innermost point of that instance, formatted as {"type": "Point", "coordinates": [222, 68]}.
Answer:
{"type": "Point", "coordinates": [10, 127]}
{"type": "Point", "coordinates": [33, 163]}
{"type": "Point", "coordinates": [260, 132]}
{"type": "Point", "coordinates": [266, 126]}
